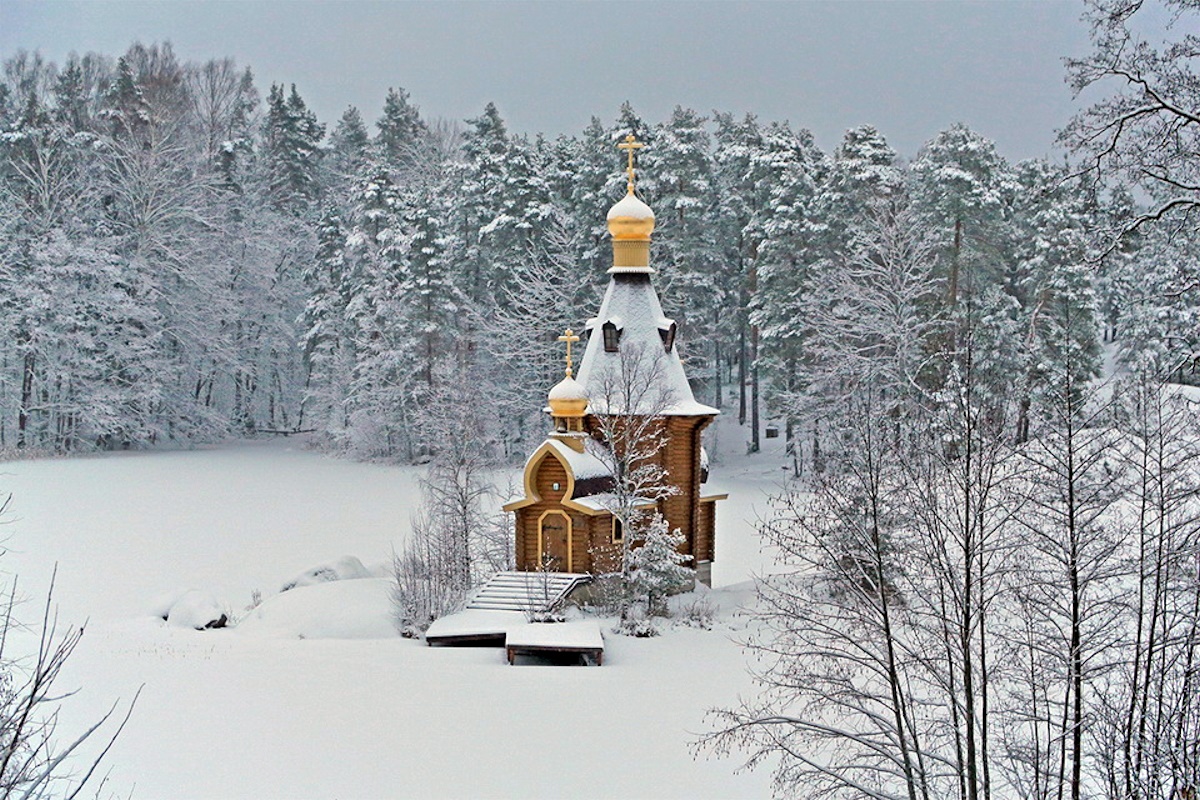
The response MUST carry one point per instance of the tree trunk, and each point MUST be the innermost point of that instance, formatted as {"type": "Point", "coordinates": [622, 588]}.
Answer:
{"type": "Point", "coordinates": [754, 389]}
{"type": "Point", "coordinates": [26, 400]}
{"type": "Point", "coordinates": [952, 289]}
{"type": "Point", "coordinates": [741, 365]}
{"type": "Point", "coordinates": [718, 399]}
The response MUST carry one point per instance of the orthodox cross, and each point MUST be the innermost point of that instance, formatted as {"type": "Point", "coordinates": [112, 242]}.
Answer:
{"type": "Point", "coordinates": [629, 146]}
{"type": "Point", "coordinates": [570, 338]}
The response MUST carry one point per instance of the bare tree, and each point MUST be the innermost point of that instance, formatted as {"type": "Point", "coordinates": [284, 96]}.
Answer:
{"type": "Point", "coordinates": [1068, 603]}
{"type": "Point", "coordinates": [34, 762]}
{"type": "Point", "coordinates": [880, 641]}
{"type": "Point", "coordinates": [1146, 132]}
{"type": "Point", "coordinates": [547, 292]}
{"type": "Point", "coordinates": [457, 541]}
{"type": "Point", "coordinates": [628, 398]}
{"type": "Point", "coordinates": [841, 705]}
{"type": "Point", "coordinates": [1148, 720]}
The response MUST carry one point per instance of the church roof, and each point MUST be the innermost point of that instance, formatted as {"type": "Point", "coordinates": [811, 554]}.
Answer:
{"type": "Point", "coordinates": [589, 475]}
{"type": "Point", "coordinates": [607, 501]}
{"type": "Point", "coordinates": [583, 466]}
{"type": "Point", "coordinates": [654, 374]}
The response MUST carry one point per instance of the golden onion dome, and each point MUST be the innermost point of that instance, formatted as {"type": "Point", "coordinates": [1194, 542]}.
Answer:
{"type": "Point", "coordinates": [630, 219]}
{"type": "Point", "coordinates": [568, 398]}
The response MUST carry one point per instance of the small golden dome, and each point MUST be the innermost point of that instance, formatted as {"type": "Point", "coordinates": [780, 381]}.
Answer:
{"type": "Point", "coordinates": [630, 219]}
{"type": "Point", "coordinates": [568, 398]}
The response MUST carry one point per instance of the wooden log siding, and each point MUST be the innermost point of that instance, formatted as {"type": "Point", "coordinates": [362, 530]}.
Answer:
{"type": "Point", "coordinates": [592, 549]}
{"type": "Point", "coordinates": [527, 536]}
{"type": "Point", "coordinates": [605, 556]}
{"type": "Point", "coordinates": [681, 458]}
{"type": "Point", "coordinates": [549, 472]}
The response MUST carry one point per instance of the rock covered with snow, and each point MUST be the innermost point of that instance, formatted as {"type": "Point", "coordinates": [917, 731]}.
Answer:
{"type": "Point", "coordinates": [345, 568]}
{"type": "Point", "coordinates": [196, 609]}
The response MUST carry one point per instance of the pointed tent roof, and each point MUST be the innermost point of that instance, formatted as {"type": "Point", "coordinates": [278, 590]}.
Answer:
{"type": "Point", "coordinates": [655, 373]}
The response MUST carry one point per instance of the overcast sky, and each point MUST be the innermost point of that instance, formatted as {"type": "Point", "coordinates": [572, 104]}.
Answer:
{"type": "Point", "coordinates": [909, 68]}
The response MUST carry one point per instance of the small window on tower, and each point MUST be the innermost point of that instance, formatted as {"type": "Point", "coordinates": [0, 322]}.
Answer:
{"type": "Point", "coordinates": [618, 531]}
{"type": "Point", "coordinates": [612, 337]}
{"type": "Point", "coordinates": [668, 336]}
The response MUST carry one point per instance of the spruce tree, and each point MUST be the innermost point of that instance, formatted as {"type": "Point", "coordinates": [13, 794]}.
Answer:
{"type": "Point", "coordinates": [679, 184]}
{"type": "Point", "coordinates": [291, 150]}
{"type": "Point", "coordinates": [401, 131]}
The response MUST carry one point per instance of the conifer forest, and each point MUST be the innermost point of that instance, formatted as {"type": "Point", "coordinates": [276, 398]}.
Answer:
{"type": "Point", "coordinates": [985, 372]}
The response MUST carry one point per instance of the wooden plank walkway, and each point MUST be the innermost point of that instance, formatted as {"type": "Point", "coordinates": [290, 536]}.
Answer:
{"type": "Point", "coordinates": [580, 637]}
{"type": "Point", "coordinates": [501, 604]}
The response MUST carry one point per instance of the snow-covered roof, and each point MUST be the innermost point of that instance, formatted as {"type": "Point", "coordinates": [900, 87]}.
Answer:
{"type": "Point", "coordinates": [607, 501]}
{"type": "Point", "coordinates": [659, 385]}
{"type": "Point", "coordinates": [583, 465]}
{"type": "Point", "coordinates": [714, 490]}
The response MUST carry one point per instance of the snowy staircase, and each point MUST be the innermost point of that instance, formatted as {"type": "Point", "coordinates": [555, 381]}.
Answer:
{"type": "Point", "coordinates": [526, 591]}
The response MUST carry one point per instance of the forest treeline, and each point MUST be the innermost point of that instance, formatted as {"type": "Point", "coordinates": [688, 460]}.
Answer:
{"type": "Point", "coordinates": [183, 258]}
{"type": "Point", "coordinates": [989, 578]}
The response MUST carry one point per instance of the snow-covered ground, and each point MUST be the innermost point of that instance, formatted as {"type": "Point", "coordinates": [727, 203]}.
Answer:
{"type": "Point", "coordinates": [312, 695]}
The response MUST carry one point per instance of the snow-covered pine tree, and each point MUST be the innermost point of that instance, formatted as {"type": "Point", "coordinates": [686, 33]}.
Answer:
{"type": "Point", "coordinates": [432, 318]}
{"type": "Point", "coordinates": [327, 336]}
{"type": "Point", "coordinates": [678, 182]}
{"type": "Point", "coordinates": [736, 185]}
{"type": "Point", "coordinates": [549, 290]}
{"type": "Point", "coordinates": [629, 123]}
{"type": "Point", "coordinates": [659, 569]}
{"type": "Point", "coordinates": [349, 147]}
{"type": "Point", "coordinates": [125, 109]}
{"type": "Point", "coordinates": [402, 132]}
{"type": "Point", "coordinates": [291, 151]}
{"type": "Point", "coordinates": [962, 188]}
{"type": "Point", "coordinates": [382, 409]}
{"type": "Point", "coordinates": [792, 170]}
{"type": "Point", "coordinates": [1050, 280]}
{"type": "Point", "coordinates": [581, 174]}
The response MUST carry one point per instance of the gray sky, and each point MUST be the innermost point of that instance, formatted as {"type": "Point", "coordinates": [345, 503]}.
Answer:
{"type": "Point", "coordinates": [909, 68]}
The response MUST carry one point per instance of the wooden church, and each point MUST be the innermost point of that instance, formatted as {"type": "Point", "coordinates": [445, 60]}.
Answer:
{"type": "Point", "coordinates": [630, 405]}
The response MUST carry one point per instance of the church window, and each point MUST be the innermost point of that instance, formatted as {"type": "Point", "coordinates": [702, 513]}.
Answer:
{"type": "Point", "coordinates": [668, 336]}
{"type": "Point", "coordinates": [618, 531]}
{"type": "Point", "coordinates": [612, 337]}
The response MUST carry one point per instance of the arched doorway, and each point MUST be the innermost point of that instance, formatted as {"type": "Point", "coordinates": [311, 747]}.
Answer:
{"type": "Point", "coordinates": [554, 541]}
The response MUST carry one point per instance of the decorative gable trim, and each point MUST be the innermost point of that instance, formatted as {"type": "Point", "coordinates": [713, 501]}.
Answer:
{"type": "Point", "coordinates": [548, 449]}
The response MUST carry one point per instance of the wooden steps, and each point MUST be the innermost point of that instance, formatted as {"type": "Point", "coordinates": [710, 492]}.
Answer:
{"type": "Point", "coordinates": [527, 592]}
